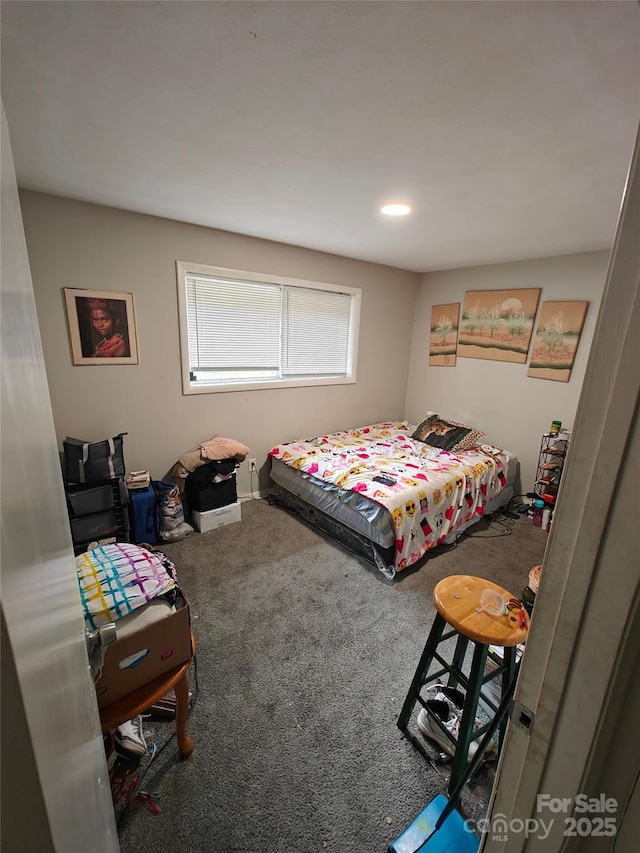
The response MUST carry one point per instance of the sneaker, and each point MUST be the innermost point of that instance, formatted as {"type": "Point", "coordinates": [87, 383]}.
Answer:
{"type": "Point", "coordinates": [451, 721]}
{"type": "Point", "coordinates": [451, 695]}
{"type": "Point", "coordinates": [129, 738]}
{"type": "Point", "coordinates": [455, 698]}
{"type": "Point", "coordinates": [442, 711]}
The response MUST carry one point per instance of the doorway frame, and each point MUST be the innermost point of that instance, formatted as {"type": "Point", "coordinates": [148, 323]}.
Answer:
{"type": "Point", "coordinates": [583, 633]}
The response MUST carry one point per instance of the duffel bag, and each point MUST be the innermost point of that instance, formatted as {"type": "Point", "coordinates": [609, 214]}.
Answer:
{"type": "Point", "coordinates": [87, 461]}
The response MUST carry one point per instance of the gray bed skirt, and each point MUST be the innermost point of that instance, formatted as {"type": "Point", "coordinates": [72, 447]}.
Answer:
{"type": "Point", "coordinates": [356, 522]}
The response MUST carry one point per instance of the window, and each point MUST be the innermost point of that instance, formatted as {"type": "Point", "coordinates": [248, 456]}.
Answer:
{"type": "Point", "coordinates": [241, 331]}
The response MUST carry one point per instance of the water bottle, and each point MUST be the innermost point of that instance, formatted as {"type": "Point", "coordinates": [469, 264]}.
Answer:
{"type": "Point", "coordinates": [546, 515]}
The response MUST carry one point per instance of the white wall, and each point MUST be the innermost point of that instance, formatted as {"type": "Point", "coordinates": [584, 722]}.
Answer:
{"type": "Point", "coordinates": [498, 397]}
{"type": "Point", "coordinates": [78, 245]}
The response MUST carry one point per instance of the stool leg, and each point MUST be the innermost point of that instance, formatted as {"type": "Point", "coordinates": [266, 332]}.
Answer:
{"type": "Point", "coordinates": [185, 744]}
{"type": "Point", "coordinates": [458, 659]}
{"type": "Point", "coordinates": [508, 675]}
{"type": "Point", "coordinates": [421, 671]}
{"type": "Point", "coordinates": [465, 733]}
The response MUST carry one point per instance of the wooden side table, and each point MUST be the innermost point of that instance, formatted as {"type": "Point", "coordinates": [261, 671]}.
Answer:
{"type": "Point", "coordinates": [137, 702]}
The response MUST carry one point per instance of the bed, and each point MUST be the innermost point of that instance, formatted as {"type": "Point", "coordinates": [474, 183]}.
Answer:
{"type": "Point", "coordinates": [394, 491]}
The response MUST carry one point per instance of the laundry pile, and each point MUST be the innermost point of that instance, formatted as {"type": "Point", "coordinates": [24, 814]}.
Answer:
{"type": "Point", "coordinates": [173, 527]}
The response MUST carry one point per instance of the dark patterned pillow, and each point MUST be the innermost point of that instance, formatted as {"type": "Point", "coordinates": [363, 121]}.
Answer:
{"type": "Point", "coordinates": [446, 435]}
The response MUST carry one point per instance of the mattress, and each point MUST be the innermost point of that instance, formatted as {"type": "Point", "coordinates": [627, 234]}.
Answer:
{"type": "Point", "coordinates": [373, 523]}
{"type": "Point", "coordinates": [357, 511]}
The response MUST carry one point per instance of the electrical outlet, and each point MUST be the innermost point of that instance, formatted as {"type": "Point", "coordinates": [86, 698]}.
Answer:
{"type": "Point", "coordinates": [252, 465]}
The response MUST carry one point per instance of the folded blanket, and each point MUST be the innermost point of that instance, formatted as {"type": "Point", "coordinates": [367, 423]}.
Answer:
{"type": "Point", "coordinates": [119, 578]}
{"type": "Point", "coordinates": [223, 448]}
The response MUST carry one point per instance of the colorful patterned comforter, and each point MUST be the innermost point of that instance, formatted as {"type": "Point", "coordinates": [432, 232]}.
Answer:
{"type": "Point", "coordinates": [429, 492]}
{"type": "Point", "coordinates": [118, 578]}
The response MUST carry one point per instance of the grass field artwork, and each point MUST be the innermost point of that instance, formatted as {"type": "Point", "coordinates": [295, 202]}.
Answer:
{"type": "Point", "coordinates": [444, 335]}
{"type": "Point", "coordinates": [556, 341]}
{"type": "Point", "coordinates": [497, 324]}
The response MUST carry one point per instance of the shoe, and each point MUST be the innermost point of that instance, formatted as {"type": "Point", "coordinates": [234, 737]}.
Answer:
{"type": "Point", "coordinates": [456, 698]}
{"type": "Point", "coordinates": [129, 739]}
{"type": "Point", "coordinates": [451, 721]}
{"type": "Point", "coordinates": [444, 693]}
{"type": "Point", "coordinates": [443, 712]}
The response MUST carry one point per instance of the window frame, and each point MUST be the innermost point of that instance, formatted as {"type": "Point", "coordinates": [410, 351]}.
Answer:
{"type": "Point", "coordinates": [185, 268]}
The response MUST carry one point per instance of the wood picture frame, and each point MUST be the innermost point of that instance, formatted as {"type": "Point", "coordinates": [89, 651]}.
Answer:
{"type": "Point", "coordinates": [557, 337]}
{"type": "Point", "coordinates": [498, 324]}
{"type": "Point", "coordinates": [444, 335]}
{"type": "Point", "coordinates": [102, 326]}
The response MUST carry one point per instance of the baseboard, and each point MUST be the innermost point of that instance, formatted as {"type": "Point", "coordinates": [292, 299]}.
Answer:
{"type": "Point", "coordinates": [252, 497]}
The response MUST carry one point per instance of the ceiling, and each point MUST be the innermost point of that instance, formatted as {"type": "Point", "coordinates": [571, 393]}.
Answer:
{"type": "Point", "coordinates": [509, 126]}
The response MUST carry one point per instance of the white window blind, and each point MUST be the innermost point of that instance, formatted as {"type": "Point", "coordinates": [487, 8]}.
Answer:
{"type": "Point", "coordinates": [241, 331]}
{"type": "Point", "coordinates": [232, 325]}
{"type": "Point", "coordinates": [315, 332]}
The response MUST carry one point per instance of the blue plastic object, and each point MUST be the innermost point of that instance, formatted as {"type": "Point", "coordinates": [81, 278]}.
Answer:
{"type": "Point", "coordinates": [452, 837]}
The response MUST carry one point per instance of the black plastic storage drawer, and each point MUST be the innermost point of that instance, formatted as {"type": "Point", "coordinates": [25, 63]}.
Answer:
{"type": "Point", "coordinates": [97, 525]}
{"type": "Point", "coordinates": [92, 499]}
{"type": "Point", "coordinates": [97, 511]}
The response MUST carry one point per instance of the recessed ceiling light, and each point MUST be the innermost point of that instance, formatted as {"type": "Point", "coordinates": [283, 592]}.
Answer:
{"type": "Point", "coordinates": [395, 209]}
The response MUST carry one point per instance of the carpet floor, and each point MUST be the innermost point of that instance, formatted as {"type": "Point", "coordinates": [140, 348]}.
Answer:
{"type": "Point", "coordinates": [305, 653]}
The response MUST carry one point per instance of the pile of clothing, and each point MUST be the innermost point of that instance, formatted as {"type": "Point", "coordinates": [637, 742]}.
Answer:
{"type": "Point", "coordinates": [216, 448]}
{"type": "Point", "coordinates": [172, 527]}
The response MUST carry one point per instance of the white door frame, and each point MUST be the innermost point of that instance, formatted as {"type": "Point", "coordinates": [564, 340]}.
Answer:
{"type": "Point", "coordinates": [588, 599]}
{"type": "Point", "coordinates": [56, 793]}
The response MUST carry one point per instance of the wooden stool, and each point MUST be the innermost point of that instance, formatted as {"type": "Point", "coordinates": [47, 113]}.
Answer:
{"type": "Point", "coordinates": [143, 698]}
{"type": "Point", "coordinates": [457, 600]}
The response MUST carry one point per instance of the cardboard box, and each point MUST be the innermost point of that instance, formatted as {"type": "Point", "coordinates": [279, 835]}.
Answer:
{"type": "Point", "coordinates": [212, 518]}
{"type": "Point", "coordinates": [167, 644]}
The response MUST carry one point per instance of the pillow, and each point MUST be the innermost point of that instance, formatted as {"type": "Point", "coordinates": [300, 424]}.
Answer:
{"type": "Point", "coordinates": [446, 435]}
